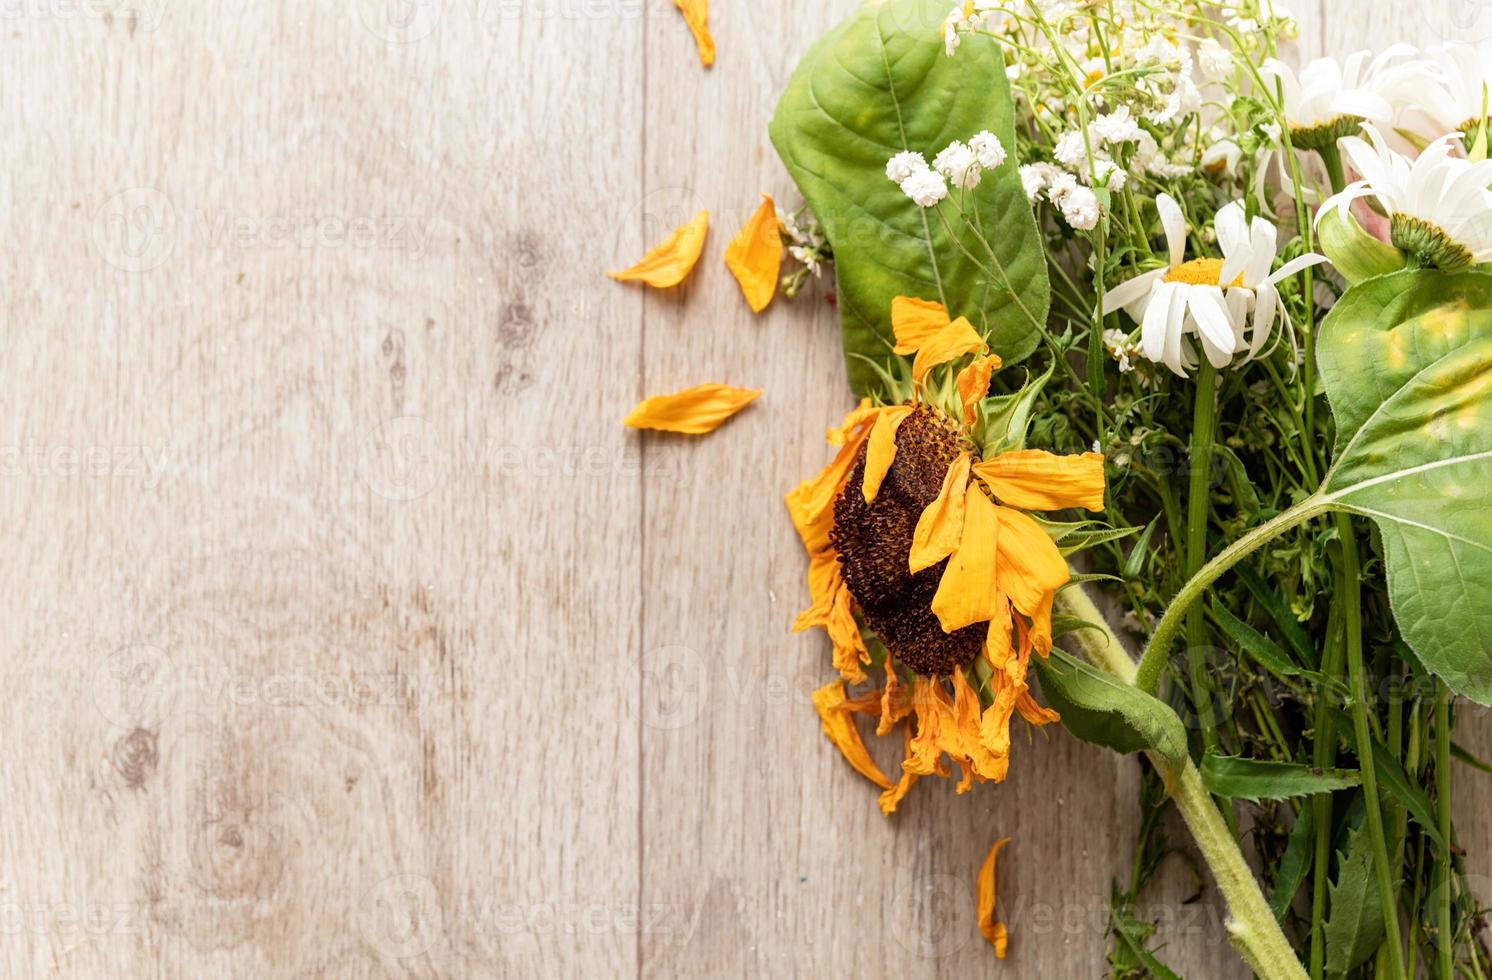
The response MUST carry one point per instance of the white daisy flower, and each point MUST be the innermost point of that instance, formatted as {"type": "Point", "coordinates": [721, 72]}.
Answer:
{"type": "Point", "coordinates": [1438, 204]}
{"type": "Point", "coordinates": [1189, 299]}
{"type": "Point", "coordinates": [1222, 157]}
{"type": "Point", "coordinates": [988, 149]}
{"type": "Point", "coordinates": [925, 188]}
{"type": "Point", "coordinates": [1453, 90]}
{"type": "Point", "coordinates": [1327, 100]}
{"type": "Point", "coordinates": [905, 164]}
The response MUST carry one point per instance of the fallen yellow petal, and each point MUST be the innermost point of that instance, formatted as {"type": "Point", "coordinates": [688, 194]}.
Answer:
{"type": "Point", "coordinates": [696, 14]}
{"type": "Point", "coordinates": [694, 410]}
{"type": "Point", "coordinates": [880, 453]}
{"type": "Point", "coordinates": [1034, 479]}
{"type": "Point", "coordinates": [670, 261]}
{"type": "Point", "coordinates": [969, 592]}
{"type": "Point", "coordinates": [754, 256]}
{"type": "Point", "coordinates": [915, 322]}
{"type": "Point", "coordinates": [942, 522]}
{"type": "Point", "coordinates": [840, 729]}
{"type": "Point", "coordinates": [954, 340]}
{"type": "Point", "coordinates": [973, 384]}
{"type": "Point", "coordinates": [993, 931]}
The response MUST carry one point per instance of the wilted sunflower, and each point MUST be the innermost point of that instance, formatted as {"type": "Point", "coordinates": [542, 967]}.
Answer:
{"type": "Point", "coordinates": [924, 563]}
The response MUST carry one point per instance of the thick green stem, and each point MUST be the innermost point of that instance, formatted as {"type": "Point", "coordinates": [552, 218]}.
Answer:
{"type": "Point", "coordinates": [1350, 595]}
{"type": "Point", "coordinates": [1158, 649]}
{"type": "Point", "coordinates": [1251, 925]}
{"type": "Point", "coordinates": [1444, 940]}
{"type": "Point", "coordinates": [1198, 514]}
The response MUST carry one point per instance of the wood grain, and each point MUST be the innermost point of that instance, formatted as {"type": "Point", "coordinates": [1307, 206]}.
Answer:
{"type": "Point", "coordinates": [347, 634]}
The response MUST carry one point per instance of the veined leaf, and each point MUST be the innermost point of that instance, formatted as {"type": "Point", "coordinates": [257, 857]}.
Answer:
{"type": "Point", "coordinates": [1262, 779]}
{"type": "Point", "coordinates": [1354, 920]}
{"type": "Point", "coordinates": [1100, 709]}
{"type": "Point", "coordinates": [880, 83]}
{"type": "Point", "coordinates": [1407, 364]}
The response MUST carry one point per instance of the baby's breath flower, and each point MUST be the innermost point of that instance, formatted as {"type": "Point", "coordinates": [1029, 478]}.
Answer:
{"type": "Point", "coordinates": [1071, 150]}
{"type": "Point", "coordinates": [1116, 127]}
{"type": "Point", "coordinates": [905, 164]}
{"type": "Point", "coordinates": [1107, 173]}
{"type": "Point", "coordinates": [1215, 60]}
{"type": "Point", "coordinates": [925, 188]}
{"type": "Point", "coordinates": [1080, 208]}
{"type": "Point", "coordinates": [957, 163]}
{"type": "Point", "coordinates": [988, 149]}
{"type": "Point", "coordinates": [1034, 179]}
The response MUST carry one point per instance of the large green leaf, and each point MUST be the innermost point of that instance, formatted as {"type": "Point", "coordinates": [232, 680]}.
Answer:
{"type": "Point", "coordinates": [1100, 709]}
{"type": "Point", "coordinates": [1407, 364]}
{"type": "Point", "coordinates": [878, 84]}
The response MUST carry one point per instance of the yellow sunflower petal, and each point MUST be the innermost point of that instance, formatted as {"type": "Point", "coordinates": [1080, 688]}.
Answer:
{"type": "Point", "coordinates": [696, 15]}
{"type": "Point", "coordinates": [670, 261]}
{"type": "Point", "coordinates": [892, 797]}
{"type": "Point", "coordinates": [853, 420]}
{"type": "Point", "coordinates": [1034, 479]}
{"type": "Point", "coordinates": [694, 410]}
{"type": "Point", "coordinates": [954, 340]}
{"type": "Point", "coordinates": [896, 700]}
{"type": "Point", "coordinates": [942, 522]}
{"type": "Point", "coordinates": [1035, 714]}
{"type": "Point", "coordinates": [840, 729]}
{"type": "Point", "coordinates": [980, 761]}
{"type": "Point", "coordinates": [811, 502]}
{"type": "Point", "coordinates": [844, 633]}
{"type": "Point", "coordinates": [968, 592]}
{"type": "Point", "coordinates": [754, 256]}
{"type": "Point", "coordinates": [973, 384]}
{"type": "Point", "coordinates": [915, 322]}
{"type": "Point", "coordinates": [1029, 566]}
{"type": "Point", "coordinates": [993, 931]}
{"type": "Point", "coordinates": [824, 581]}
{"type": "Point", "coordinates": [881, 451]}
{"type": "Point", "coordinates": [925, 750]}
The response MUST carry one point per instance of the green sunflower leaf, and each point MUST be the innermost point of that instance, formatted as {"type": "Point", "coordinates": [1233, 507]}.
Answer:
{"type": "Point", "coordinates": [1100, 709]}
{"type": "Point", "coordinates": [880, 83]}
{"type": "Point", "coordinates": [1406, 360]}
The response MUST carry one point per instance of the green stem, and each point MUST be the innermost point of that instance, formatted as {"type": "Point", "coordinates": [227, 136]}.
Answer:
{"type": "Point", "coordinates": [1444, 940]}
{"type": "Point", "coordinates": [1251, 926]}
{"type": "Point", "coordinates": [1325, 756]}
{"type": "Point", "coordinates": [1158, 649]}
{"type": "Point", "coordinates": [1350, 595]}
{"type": "Point", "coordinates": [1198, 513]}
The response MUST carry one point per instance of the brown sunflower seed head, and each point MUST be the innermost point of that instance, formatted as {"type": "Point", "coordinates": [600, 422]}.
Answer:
{"type": "Point", "coordinates": [875, 541]}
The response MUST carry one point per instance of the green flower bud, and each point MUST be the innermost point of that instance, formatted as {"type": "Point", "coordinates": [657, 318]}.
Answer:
{"type": "Point", "coordinates": [1352, 251]}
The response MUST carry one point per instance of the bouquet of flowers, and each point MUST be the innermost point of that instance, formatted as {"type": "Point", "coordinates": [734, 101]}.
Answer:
{"type": "Point", "coordinates": [1164, 345]}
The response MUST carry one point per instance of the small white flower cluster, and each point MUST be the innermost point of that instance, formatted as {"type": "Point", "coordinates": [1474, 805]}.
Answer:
{"type": "Point", "coordinates": [805, 240]}
{"type": "Point", "coordinates": [1121, 349]}
{"type": "Point", "coordinates": [961, 163]}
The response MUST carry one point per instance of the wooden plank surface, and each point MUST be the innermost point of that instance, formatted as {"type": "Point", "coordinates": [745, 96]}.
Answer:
{"type": "Point", "coordinates": [346, 632]}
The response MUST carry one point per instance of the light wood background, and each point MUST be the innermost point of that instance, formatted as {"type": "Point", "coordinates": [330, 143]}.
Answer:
{"type": "Point", "coordinates": [346, 633]}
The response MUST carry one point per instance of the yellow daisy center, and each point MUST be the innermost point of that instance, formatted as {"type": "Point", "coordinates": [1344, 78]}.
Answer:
{"type": "Point", "coordinates": [1200, 272]}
